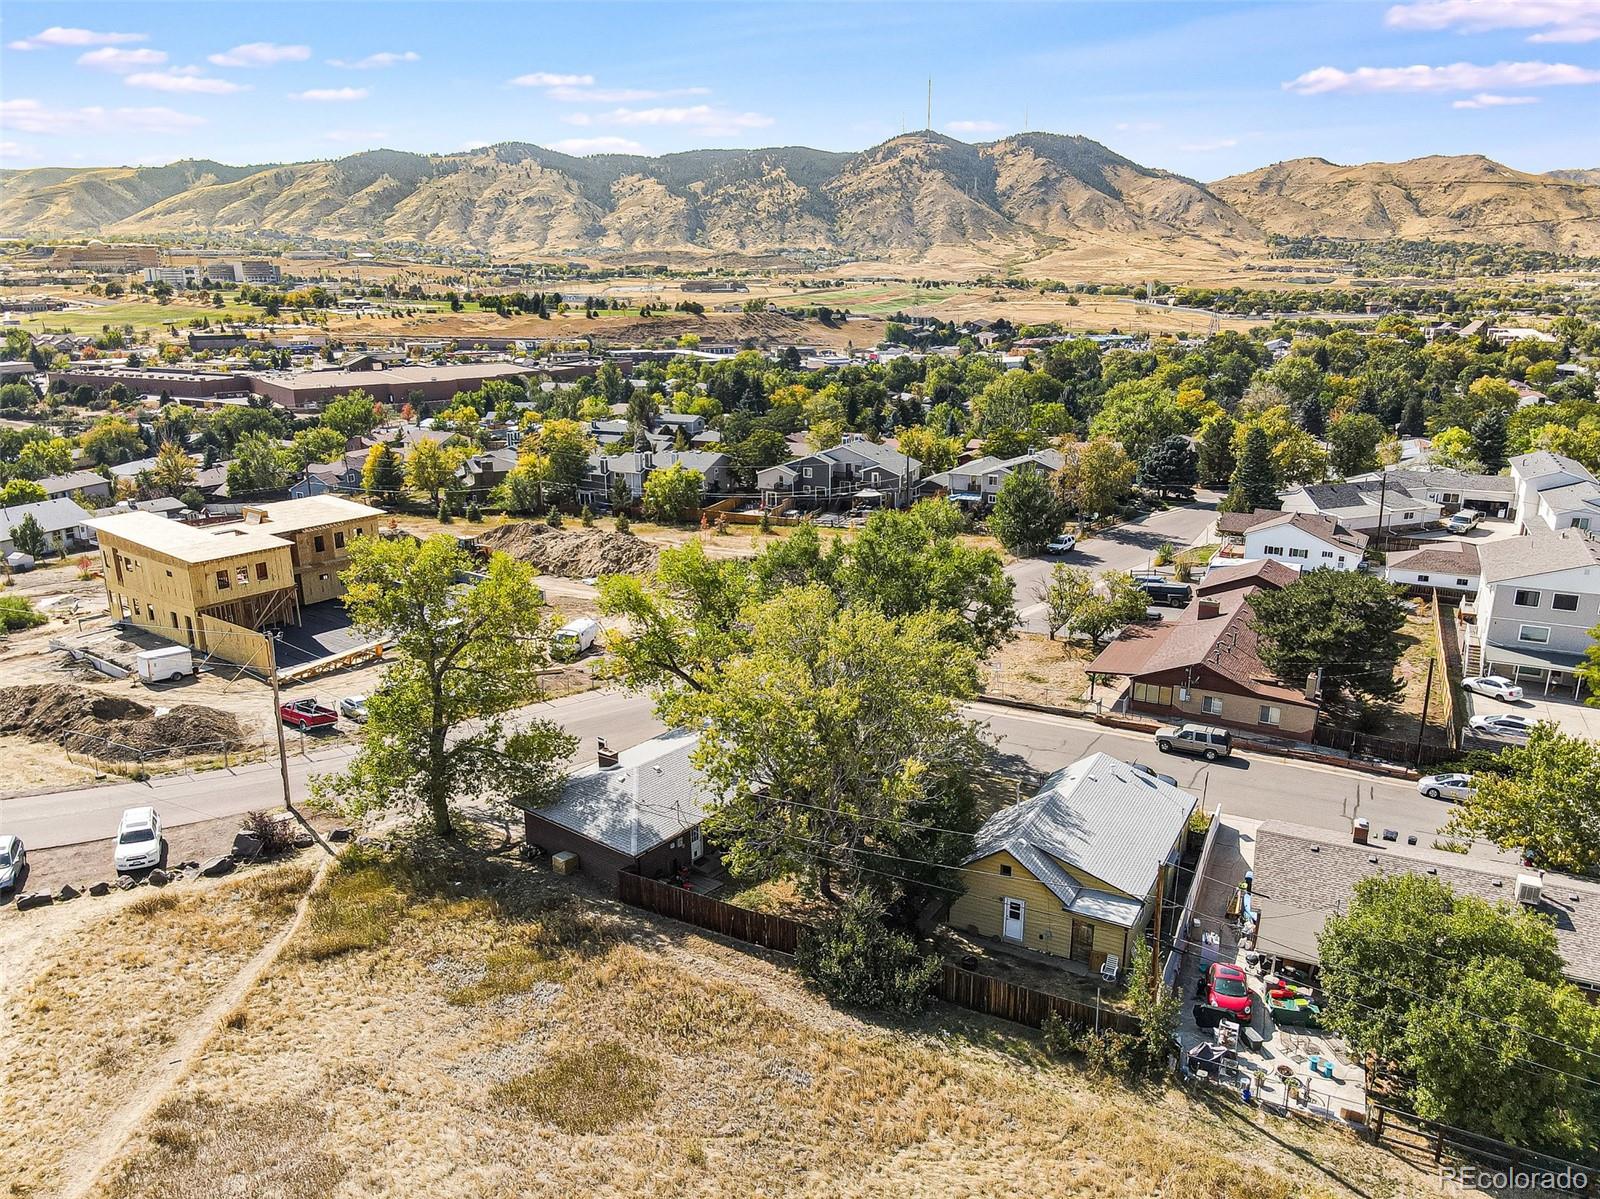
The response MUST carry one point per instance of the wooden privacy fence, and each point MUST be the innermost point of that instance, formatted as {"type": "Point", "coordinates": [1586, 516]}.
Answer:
{"type": "Point", "coordinates": [964, 988]}
{"type": "Point", "coordinates": [1521, 1170]}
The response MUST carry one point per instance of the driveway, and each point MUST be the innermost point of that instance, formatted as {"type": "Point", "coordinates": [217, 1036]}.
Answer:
{"type": "Point", "coordinates": [1569, 715]}
{"type": "Point", "coordinates": [1131, 546]}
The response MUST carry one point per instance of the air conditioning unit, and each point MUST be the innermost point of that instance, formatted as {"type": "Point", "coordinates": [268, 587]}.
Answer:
{"type": "Point", "coordinates": [1530, 889]}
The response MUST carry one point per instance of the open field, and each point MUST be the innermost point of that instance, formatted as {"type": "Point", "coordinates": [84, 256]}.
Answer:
{"type": "Point", "coordinates": [143, 315]}
{"type": "Point", "coordinates": [484, 1028]}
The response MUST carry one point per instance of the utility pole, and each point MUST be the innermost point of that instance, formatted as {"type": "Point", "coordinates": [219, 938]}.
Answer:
{"type": "Point", "coordinates": [930, 104]}
{"type": "Point", "coordinates": [277, 719]}
{"type": "Point", "coordinates": [1155, 950]}
{"type": "Point", "coordinates": [1427, 697]}
{"type": "Point", "coordinates": [1383, 494]}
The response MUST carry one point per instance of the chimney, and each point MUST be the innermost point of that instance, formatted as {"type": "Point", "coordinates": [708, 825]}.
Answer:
{"type": "Point", "coordinates": [607, 759]}
{"type": "Point", "coordinates": [1314, 683]}
{"type": "Point", "coordinates": [1208, 607]}
{"type": "Point", "coordinates": [1359, 830]}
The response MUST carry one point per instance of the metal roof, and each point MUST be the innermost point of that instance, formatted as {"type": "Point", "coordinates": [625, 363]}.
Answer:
{"type": "Point", "coordinates": [653, 795]}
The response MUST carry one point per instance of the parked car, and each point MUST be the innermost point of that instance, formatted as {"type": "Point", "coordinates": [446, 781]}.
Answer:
{"type": "Point", "coordinates": [1206, 740]}
{"type": "Point", "coordinates": [1445, 786]}
{"type": "Point", "coordinates": [1502, 728]}
{"type": "Point", "coordinates": [1149, 772]}
{"type": "Point", "coordinates": [306, 714]}
{"type": "Point", "coordinates": [1228, 990]}
{"type": "Point", "coordinates": [1464, 520]}
{"type": "Point", "coordinates": [354, 707]}
{"type": "Point", "coordinates": [1063, 544]}
{"type": "Point", "coordinates": [1494, 685]}
{"type": "Point", "coordinates": [1162, 590]}
{"type": "Point", "coordinates": [574, 637]}
{"type": "Point", "coordinates": [138, 840]}
{"type": "Point", "coordinates": [13, 862]}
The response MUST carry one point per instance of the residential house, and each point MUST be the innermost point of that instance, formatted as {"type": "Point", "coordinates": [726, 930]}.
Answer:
{"type": "Point", "coordinates": [1302, 540]}
{"type": "Point", "coordinates": [1364, 505]}
{"type": "Point", "coordinates": [65, 525]}
{"type": "Point", "coordinates": [636, 809]}
{"type": "Point", "coordinates": [1246, 576]}
{"type": "Point", "coordinates": [1450, 568]}
{"type": "Point", "coordinates": [1304, 874]}
{"type": "Point", "coordinates": [976, 483]}
{"type": "Point", "coordinates": [91, 485]}
{"type": "Point", "coordinates": [1206, 666]}
{"type": "Point", "coordinates": [854, 469]}
{"type": "Point", "coordinates": [482, 473]}
{"type": "Point", "coordinates": [1553, 492]}
{"type": "Point", "coordinates": [716, 470]}
{"type": "Point", "coordinates": [1538, 598]}
{"type": "Point", "coordinates": [1452, 490]}
{"type": "Point", "coordinates": [1076, 871]}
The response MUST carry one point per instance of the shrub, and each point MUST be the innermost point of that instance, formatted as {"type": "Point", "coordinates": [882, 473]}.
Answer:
{"type": "Point", "coordinates": [444, 512]}
{"type": "Point", "coordinates": [1164, 553]}
{"type": "Point", "coordinates": [553, 517]}
{"type": "Point", "coordinates": [474, 514]}
{"type": "Point", "coordinates": [623, 523]}
{"type": "Point", "coordinates": [586, 517]}
{"type": "Point", "coordinates": [854, 957]}
{"type": "Point", "coordinates": [275, 836]}
{"type": "Point", "coordinates": [16, 613]}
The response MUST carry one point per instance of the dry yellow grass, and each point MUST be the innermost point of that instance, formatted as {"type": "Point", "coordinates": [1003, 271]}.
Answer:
{"type": "Point", "coordinates": [614, 1055]}
{"type": "Point", "coordinates": [97, 990]}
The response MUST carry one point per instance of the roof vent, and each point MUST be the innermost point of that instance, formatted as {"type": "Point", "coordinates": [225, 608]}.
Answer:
{"type": "Point", "coordinates": [1499, 882]}
{"type": "Point", "coordinates": [1530, 889]}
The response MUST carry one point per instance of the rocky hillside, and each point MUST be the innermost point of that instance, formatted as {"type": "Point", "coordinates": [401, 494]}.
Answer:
{"type": "Point", "coordinates": [908, 199]}
{"type": "Point", "coordinates": [1467, 197]}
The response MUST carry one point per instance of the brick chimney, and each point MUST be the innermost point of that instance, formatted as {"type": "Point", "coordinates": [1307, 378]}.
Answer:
{"type": "Point", "coordinates": [1208, 608]}
{"type": "Point", "coordinates": [607, 758]}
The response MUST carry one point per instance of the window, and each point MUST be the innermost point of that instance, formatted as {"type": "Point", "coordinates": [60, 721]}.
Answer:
{"type": "Point", "coordinates": [169, 574]}
{"type": "Point", "coordinates": [261, 571]}
{"type": "Point", "coordinates": [1327, 553]}
{"type": "Point", "coordinates": [1581, 522]}
{"type": "Point", "coordinates": [1269, 550]}
{"type": "Point", "coordinates": [222, 580]}
{"type": "Point", "coordinates": [136, 607]}
{"type": "Point", "coordinates": [1270, 714]}
{"type": "Point", "coordinates": [1211, 705]}
{"type": "Point", "coordinates": [1294, 553]}
{"type": "Point", "coordinates": [1536, 633]}
{"type": "Point", "coordinates": [319, 543]}
{"type": "Point", "coordinates": [1562, 602]}
{"type": "Point", "coordinates": [1005, 870]}
{"type": "Point", "coordinates": [338, 539]}
{"type": "Point", "coordinates": [1422, 578]}
{"type": "Point", "coordinates": [242, 576]}
{"type": "Point", "coordinates": [806, 472]}
{"type": "Point", "coordinates": [1526, 599]}
{"type": "Point", "coordinates": [1146, 693]}
{"type": "Point", "coordinates": [1461, 582]}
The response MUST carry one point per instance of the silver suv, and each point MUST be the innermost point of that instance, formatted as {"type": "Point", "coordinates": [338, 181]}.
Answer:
{"type": "Point", "coordinates": [1206, 740]}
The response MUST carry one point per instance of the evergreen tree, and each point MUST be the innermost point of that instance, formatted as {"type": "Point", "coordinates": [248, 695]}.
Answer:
{"type": "Point", "coordinates": [1489, 435]}
{"type": "Point", "coordinates": [1253, 485]}
{"type": "Point", "coordinates": [383, 474]}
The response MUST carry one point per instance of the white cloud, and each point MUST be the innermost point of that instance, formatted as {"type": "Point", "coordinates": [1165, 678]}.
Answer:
{"type": "Point", "coordinates": [974, 126]}
{"type": "Point", "coordinates": [109, 58]}
{"type": "Point", "coordinates": [330, 95]}
{"type": "Point", "coordinates": [11, 151]}
{"type": "Point", "coordinates": [621, 95]}
{"type": "Point", "coordinates": [548, 79]}
{"type": "Point", "coordinates": [597, 145]}
{"type": "Point", "coordinates": [1206, 147]}
{"type": "Point", "coordinates": [1456, 77]}
{"type": "Point", "coordinates": [30, 116]}
{"type": "Point", "coordinates": [1137, 126]}
{"type": "Point", "coordinates": [58, 36]}
{"type": "Point", "coordinates": [187, 80]}
{"type": "Point", "coordinates": [259, 54]}
{"type": "Point", "coordinates": [1553, 20]}
{"type": "Point", "coordinates": [1490, 100]}
{"type": "Point", "coordinates": [702, 118]}
{"type": "Point", "coordinates": [383, 58]}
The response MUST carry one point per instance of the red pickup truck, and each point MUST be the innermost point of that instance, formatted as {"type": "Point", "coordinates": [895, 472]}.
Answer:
{"type": "Point", "coordinates": [305, 714]}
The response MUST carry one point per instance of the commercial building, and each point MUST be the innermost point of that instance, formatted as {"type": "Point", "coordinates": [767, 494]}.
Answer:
{"type": "Point", "coordinates": [169, 576]}
{"type": "Point", "coordinates": [431, 385]}
{"type": "Point", "coordinates": [179, 384]}
{"type": "Point", "coordinates": [105, 256]}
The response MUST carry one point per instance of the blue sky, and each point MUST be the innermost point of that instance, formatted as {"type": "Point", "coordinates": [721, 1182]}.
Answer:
{"type": "Point", "coordinates": [1204, 88]}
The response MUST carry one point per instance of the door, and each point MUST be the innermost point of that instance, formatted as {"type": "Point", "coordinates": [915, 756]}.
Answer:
{"type": "Point", "coordinates": [1011, 920]}
{"type": "Point", "coordinates": [697, 847]}
{"type": "Point", "coordinates": [1082, 940]}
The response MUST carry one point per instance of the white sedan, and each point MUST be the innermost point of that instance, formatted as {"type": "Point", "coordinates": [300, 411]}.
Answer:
{"type": "Point", "coordinates": [1445, 786]}
{"type": "Point", "coordinates": [354, 708]}
{"type": "Point", "coordinates": [1502, 728]}
{"type": "Point", "coordinates": [1061, 545]}
{"type": "Point", "coordinates": [1494, 685]}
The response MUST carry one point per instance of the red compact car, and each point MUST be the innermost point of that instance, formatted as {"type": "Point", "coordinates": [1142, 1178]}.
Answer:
{"type": "Point", "coordinates": [1227, 990]}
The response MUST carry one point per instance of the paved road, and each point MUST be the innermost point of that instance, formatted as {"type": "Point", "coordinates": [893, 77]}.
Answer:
{"type": "Point", "coordinates": [1031, 744]}
{"type": "Point", "coordinates": [1129, 546]}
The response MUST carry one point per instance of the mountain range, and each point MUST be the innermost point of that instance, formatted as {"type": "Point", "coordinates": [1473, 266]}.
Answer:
{"type": "Point", "coordinates": [919, 197]}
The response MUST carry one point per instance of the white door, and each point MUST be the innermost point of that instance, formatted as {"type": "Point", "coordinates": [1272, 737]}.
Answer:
{"type": "Point", "coordinates": [1011, 922]}
{"type": "Point", "coordinates": [697, 847]}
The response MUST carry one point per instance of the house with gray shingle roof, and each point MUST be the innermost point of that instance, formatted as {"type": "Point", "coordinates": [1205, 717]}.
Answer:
{"type": "Point", "coordinates": [1073, 872]}
{"type": "Point", "coordinates": [1539, 597]}
{"type": "Point", "coordinates": [1452, 567]}
{"type": "Point", "coordinates": [979, 481]}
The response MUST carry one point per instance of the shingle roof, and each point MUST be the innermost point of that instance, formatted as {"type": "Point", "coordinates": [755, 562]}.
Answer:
{"type": "Point", "coordinates": [1101, 818]}
{"type": "Point", "coordinates": [1452, 557]}
{"type": "Point", "coordinates": [1302, 874]}
{"type": "Point", "coordinates": [1544, 462]}
{"type": "Point", "coordinates": [653, 795]}
{"type": "Point", "coordinates": [72, 481]}
{"type": "Point", "coordinates": [1262, 572]}
{"type": "Point", "coordinates": [53, 515]}
{"type": "Point", "coordinates": [1323, 527]}
{"type": "Point", "coordinates": [1535, 554]}
{"type": "Point", "coordinates": [1240, 522]}
{"type": "Point", "coordinates": [1439, 479]}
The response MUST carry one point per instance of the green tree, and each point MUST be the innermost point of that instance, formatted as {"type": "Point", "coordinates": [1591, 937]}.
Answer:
{"type": "Point", "coordinates": [1489, 436]}
{"type": "Point", "coordinates": [1095, 476]}
{"type": "Point", "coordinates": [1342, 625]}
{"type": "Point", "coordinates": [1137, 415]}
{"type": "Point", "coordinates": [523, 489]}
{"type": "Point", "coordinates": [111, 441]}
{"type": "Point", "coordinates": [28, 536]}
{"type": "Point", "coordinates": [1169, 463]}
{"type": "Point", "coordinates": [173, 471]}
{"type": "Point", "coordinates": [1353, 441]}
{"type": "Point", "coordinates": [44, 456]}
{"type": "Point", "coordinates": [354, 414]}
{"type": "Point", "coordinates": [1027, 512]}
{"type": "Point", "coordinates": [1064, 594]}
{"type": "Point", "coordinates": [257, 466]}
{"type": "Point", "coordinates": [1253, 485]}
{"type": "Point", "coordinates": [1453, 449]}
{"type": "Point", "coordinates": [319, 444]}
{"type": "Point", "coordinates": [430, 468]}
{"type": "Point", "coordinates": [761, 449]}
{"type": "Point", "coordinates": [672, 495]}
{"type": "Point", "coordinates": [20, 491]}
{"type": "Point", "coordinates": [1543, 800]}
{"type": "Point", "coordinates": [437, 731]}
{"type": "Point", "coordinates": [565, 445]}
{"type": "Point", "coordinates": [1116, 601]}
{"type": "Point", "coordinates": [383, 474]}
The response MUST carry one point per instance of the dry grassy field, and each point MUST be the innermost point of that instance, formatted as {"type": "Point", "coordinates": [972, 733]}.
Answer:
{"type": "Point", "coordinates": [483, 1028]}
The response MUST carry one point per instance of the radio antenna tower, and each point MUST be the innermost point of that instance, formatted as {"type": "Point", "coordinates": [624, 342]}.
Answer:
{"type": "Point", "coordinates": [930, 104]}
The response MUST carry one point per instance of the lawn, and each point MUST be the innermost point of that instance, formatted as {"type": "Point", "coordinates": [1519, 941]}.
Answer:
{"type": "Point", "coordinates": [143, 315]}
{"type": "Point", "coordinates": [872, 300]}
{"type": "Point", "coordinates": [481, 1027]}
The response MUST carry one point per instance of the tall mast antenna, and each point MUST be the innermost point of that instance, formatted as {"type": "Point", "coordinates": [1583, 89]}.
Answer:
{"type": "Point", "coordinates": [930, 104]}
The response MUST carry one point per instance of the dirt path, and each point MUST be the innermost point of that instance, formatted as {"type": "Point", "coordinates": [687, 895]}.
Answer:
{"type": "Point", "coordinates": [84, 1168]}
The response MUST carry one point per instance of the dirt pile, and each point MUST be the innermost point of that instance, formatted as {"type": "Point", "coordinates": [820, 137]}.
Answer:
{"type": "Point", "coordinates": [113, 727]}
{"type": "Point", "coordinates": [572, 553]}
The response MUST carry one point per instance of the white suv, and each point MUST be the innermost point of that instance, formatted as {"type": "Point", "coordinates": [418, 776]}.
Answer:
{"type": "Point", "coordinates": [138, 840]}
